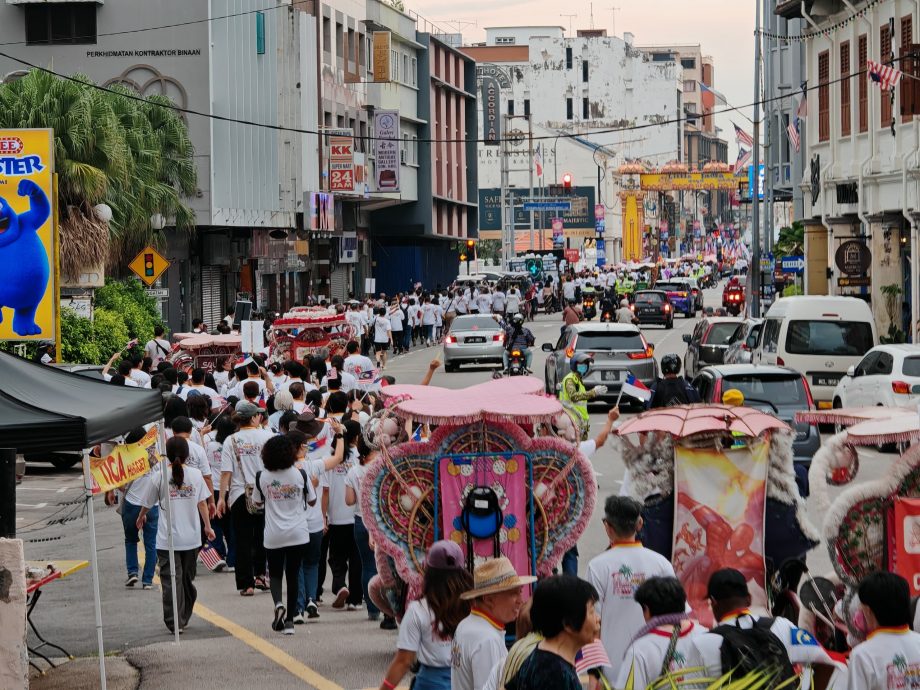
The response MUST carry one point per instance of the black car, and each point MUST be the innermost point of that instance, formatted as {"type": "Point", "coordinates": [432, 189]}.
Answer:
{"type": "Point", "coordinates": [653, 307]}
{"type": "Point", "coordinates": [708, 343]}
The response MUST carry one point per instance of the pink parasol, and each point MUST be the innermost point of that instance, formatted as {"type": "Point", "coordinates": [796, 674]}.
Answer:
{"type": "Point", "coordinates": [514, 399]}
{"type": "Point", "coordinates": [688, 420]}
{"type": "Point", "coordinates": [898, 428]}
{"type": "Point", "coordinates": [196, 341]}
{"type": "Point", "coordinates": [847, 416]}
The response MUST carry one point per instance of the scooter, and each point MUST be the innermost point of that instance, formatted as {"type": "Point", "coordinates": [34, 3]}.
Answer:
{"type": "Point", "coordinates": [515, 365]}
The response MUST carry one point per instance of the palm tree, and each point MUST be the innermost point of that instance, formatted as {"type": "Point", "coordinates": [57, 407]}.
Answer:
{"type": "Point", "coordinates": [133, 155]}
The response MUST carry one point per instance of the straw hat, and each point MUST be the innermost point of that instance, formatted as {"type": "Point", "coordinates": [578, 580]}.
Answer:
{"type": "Point", "coordinates": [493, 576]}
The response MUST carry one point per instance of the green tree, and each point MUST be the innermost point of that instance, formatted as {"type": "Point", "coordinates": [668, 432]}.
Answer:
{"type": "Point", "coordinates": [791, 240]}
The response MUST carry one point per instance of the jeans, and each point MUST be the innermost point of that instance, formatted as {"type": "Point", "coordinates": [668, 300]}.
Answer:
{"type": "Point", "coordinates": [432, 678]}
{"type": "Point", "coordinates": [186, 594]}
{"type": "Point", "coordinates": [528, 357]}
{"type": "Point", "coordinates": [407, 338]}
{"type": "Point", "coordinates": [368, 564]}
{"type": "Point", "coordinates": [308, 580]}
{"type": "Point", "coordinates": [429, 331]}
{"type": "Point", "coordinates": [397, 342]}
{"type": "Point", "coordinates": [250, 554]}
{"type": "Point", "coordinates": [570, 562]}
{"type": "Point", "coordinates": [224, 540]}
{"type": "Point", "coordinates": [344, 560]}
{"type": "Point", "coordinates": [129, 513]}
{"type": "Point", "coordinates": [285, 562]}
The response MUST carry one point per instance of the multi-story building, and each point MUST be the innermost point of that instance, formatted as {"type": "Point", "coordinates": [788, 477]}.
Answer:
{"type": "Point", "coordinates": [863, 151]}
{"type": "Point", "coordinates": [562, 90]}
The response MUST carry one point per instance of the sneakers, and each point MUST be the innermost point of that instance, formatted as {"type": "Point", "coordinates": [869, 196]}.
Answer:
{"type": "Point", "coordinates": [352, 607]}
{"type": "Point", "coordinates": [146, 586]}
{"type": "Point", "coordinates": [278, 622]}
{"type": "Point", "coordinates": [312, 610]}
{"type": "Point", "coordinates": [388, 623]}
{"type": "Point", "coordinates": [340, 598]}
{"type": "Point", "coordinates": [229, 569]}
{"type": "Point", "coordinates": [132, 580]}
{"type": "Point", "coordinates": [288, 628]}
{"type": "Point", "coordinates": [220, 565]}
{"type": "Point", "coordinates": [298, 618]}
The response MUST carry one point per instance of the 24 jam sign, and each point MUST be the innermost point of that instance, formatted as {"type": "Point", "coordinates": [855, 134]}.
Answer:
{"type": "Point", "coordinates": [341, 164]}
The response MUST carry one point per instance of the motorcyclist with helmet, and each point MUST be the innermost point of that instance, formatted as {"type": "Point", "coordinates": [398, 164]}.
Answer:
{"type": "Point", "coordinates": [573, 392]}
{"type": "Point", "coordinates": [672, 388]}
{"type": "Point", "coordinates": [517, 337]}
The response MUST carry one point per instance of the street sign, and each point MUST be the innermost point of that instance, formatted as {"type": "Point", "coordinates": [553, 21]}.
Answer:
{"type": "Point", "coordinates": [854, 281]}
{"type": "Point", "coordinates": [149, 265]}
{"type": "Point", "coordinates": [793, 264]}
{"type": "Point", "coordinates": [157, 293]}
{"type": "Point", "coordinates": [572, 256]}
{"type": "Point", "coordinates": [547, 205]}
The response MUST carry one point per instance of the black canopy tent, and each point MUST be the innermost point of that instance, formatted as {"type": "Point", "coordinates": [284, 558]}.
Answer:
{"type": "Point", "coordinates": [46, 409]}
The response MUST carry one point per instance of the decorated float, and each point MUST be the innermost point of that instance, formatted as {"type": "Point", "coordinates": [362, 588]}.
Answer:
{"type": "Point", "coordinates": [304, 331]}
{"type": "Point", "coordinates": [193, 350]}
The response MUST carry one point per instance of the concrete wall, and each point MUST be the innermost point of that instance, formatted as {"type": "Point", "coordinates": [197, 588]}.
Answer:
{"type": "Point", "coordinates": [14, 658]}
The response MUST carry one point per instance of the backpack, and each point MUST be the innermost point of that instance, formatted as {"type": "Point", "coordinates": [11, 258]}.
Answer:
{"type": "Point", "coordinates": [753, 649]}
{"type": "Point", "coordinates": [670, 392]}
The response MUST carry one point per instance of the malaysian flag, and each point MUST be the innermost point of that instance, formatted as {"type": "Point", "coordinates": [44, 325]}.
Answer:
{"type": "Point", "coordinates": [742, 137]}
{"type": "Point", "coordinates": [885, 76]}
{"type": "Point", "coordinates": [591, 656]}
{"type": "Point", "coordinates": [538, 160]}
{"type": "Point", "coordinates": [744, 157]}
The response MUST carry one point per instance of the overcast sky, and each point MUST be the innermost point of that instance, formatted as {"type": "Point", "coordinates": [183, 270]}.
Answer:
{"type": "Point", "coordinates": [724, 29]}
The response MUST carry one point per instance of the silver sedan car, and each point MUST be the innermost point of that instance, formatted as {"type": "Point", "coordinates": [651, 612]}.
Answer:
{"type": "Point", "coordinates": [743, 341]}
{"type": "Point", "coordinates": [473, 339]}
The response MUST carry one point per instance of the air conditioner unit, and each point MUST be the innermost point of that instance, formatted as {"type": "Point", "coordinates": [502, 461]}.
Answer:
{"type": "Point", "coordinates": [402, 157]}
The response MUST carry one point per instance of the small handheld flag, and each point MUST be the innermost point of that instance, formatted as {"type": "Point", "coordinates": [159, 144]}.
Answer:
{"type": "Point", "coordinates": [634, 388]}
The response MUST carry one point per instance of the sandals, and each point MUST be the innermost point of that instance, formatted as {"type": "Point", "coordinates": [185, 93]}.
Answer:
{"type": "Point", "coordinates": [262, 584]}
{"type": "Point", "coordinates": [248, 592]}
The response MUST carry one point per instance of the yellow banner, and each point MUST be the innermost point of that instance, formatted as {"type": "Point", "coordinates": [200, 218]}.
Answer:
{"type": "Point", "coordinates": [381, 56]}
{"type": "Point", "coordinates": [699, 181]}
{"type": "Point", "coordinates": [125, 463]}
{"type": "Point", "coordinates": [28, 292]}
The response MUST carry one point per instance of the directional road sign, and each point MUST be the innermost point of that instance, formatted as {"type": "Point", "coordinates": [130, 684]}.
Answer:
{"type": "Point", "coordinates": [793, 264]}
{"type": "Point", "coordinates": [547, 205]}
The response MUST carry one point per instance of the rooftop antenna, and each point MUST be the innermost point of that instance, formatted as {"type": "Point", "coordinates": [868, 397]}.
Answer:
{"type": "Point", "coordinates": [459, 24]}
{"type": "Point", "coordinates": [570, 21]}
{"type": "Point", "coordinates": [613, 23]}
{"type": "Point", "coordinates": [591, 5]}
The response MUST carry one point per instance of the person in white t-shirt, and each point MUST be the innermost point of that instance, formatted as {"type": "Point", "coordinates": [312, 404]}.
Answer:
{"type": "Point", "coordinates": [359, 366]}
{"type": "Point", "coordinates": [137, 373]}
{"type": "Point", "coordinates": [513, 302]}
{"type": "Point", "coordinates": [182, 427]}
{"type": "Point", "coordinates": [188, 509]}
{"type": "Point", "coordinates": [287, 493]}
{"type": "Point", "coordinates": [196, 383]}
{"type": "Point", "coordinates": [157, 348]}
{"type": "Point", "coordinates": [568, 291]}
{"type": "Point", "coordinates": [484, 301]}
{"type": "Point", "coordinates": [664, 607]}
{"type": "Point", "coordinates": [383, 336]}
{"type": "Point", "coordinates": [429, 319]}
{"type": "Point", "coordinates": [479, 641]}
{"type": "Point", "coordinates": [397, 322]}
{"type": "Point", "coordinates": [498, 302]}
{"type": "Point", "coordinates": [617, 573]}
{"type": "Point", "coordinates": [889, 659]}
{"type": "Point", "coordinates": [241, 458]}
{"type": "Point", "coordinates": [429, 624]}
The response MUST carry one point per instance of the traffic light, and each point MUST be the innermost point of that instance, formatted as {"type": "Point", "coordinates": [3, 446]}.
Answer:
{"type": "Point", "coordinates": [533, 266]}
{"type": "Point", "coordinates": [567, 182]}
{"type": "Point", "coordinates": [148, 265]}
{"type": "Point", "coordinates": [466, 254]}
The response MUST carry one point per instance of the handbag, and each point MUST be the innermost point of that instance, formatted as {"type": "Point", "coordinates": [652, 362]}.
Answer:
{"type": "Point", "coordinates": [253, 507]}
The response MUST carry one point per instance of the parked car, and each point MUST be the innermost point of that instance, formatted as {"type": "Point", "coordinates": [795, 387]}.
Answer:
{"type": "Point", "coordinates": [820, 336]}
{"type": "Point", "coordinates": [680, 296]}
{"type": "Point", "coordinates": [707, 343]}
{"type": "Point", "coordinates": [473, 339]}
{"type": "Point", "coordinates": [618, 349]}
{"type": "Point", "coordinates": [653, 307]}
{"type": "Point", "coordinates": [781, 391]}
{"type": "Point", "coordinates": [888, 375]}
{"type": "Point", "coordinates": [743, 341]}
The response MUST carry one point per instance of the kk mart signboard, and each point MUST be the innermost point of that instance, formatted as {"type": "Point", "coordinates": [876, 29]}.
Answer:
{"type": "Point", "coordinates": [29, 290]}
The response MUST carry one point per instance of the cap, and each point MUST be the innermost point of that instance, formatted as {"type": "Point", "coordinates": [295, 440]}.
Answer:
{"type": "Point", "coordinates": [727, 584]}
{"type": "Point", "coordinates": [445, 555]}
{"type": "Point", "coordinates": [733, 397]}
{"type": "Point", "coordinates": [245, 408]}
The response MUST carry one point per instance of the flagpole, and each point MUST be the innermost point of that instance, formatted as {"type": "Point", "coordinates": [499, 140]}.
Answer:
{"type": "Point", "coordinates": [755, 188]}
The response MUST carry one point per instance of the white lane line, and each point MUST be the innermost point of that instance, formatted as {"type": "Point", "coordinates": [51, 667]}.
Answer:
{"type": "Point", "coordinates": [30, 505]}
{"type": "Point", "coordinates": [45, 488]}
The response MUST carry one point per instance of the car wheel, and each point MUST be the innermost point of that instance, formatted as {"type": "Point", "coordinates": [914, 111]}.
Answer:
{"type": "Point", "coordinates": [837, 404]}
{"type": "Point", "coordinates": [64, 463]}
{"type": "Point", "coordinates": [449, 367]}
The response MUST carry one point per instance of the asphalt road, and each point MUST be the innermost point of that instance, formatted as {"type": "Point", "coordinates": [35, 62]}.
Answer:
{"type": "Point", "coordinates": [341, 650]}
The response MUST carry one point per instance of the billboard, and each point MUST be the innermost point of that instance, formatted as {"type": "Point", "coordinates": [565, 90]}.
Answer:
{"type": "Point", "coordinates": [341, 164]}
{"type": "Point", "coordinates": [750, 185]}
{"type": "Point", "coordinates": [386, 150]}
{"type": "Point", "coordinates": [580, 217]}
{"type": "Point", "coordinates": [380, 53]}
{"type": "Point", "coordinates": [29, 297]}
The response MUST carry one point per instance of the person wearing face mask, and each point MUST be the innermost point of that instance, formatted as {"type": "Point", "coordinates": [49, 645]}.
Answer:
{"type": "Point", "coordinates": [574, 394]}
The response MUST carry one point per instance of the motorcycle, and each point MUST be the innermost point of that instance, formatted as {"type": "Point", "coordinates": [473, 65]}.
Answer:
{"type": "Point", "coordinates": [733, 301]}
{"type": "Point", "coordinates": [516, 365]}
{"type": "Point", "coordinates": [588, 309]}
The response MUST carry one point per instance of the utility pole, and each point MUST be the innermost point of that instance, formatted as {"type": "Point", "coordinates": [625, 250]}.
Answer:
{"type": "Point", "coordinates": [570, 16]}
{"type": "Point", "coordinates": [507, 199]}
{"type": "Point", "coordinates": [754, 269]}
{"type": "Point", "coordinates": [770, 146]}
{"type": "Point", "coordinates": [530, 170]}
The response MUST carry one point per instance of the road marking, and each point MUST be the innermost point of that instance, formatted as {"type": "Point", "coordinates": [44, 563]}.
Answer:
{"type": "Point", "coordinates": [31, 505]}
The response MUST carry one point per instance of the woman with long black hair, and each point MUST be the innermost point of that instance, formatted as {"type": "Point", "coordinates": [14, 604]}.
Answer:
{"type": "Point", "coordinates": [188, 503]}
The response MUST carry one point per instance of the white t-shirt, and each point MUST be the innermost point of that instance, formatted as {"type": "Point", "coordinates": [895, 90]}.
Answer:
{"type": "Point", "coordinates": [429, 314]}
{"type": "Point", "coordinates": [484, 302]}
{"type": "Point", "coordinates": [477, 647]}
{"type": "Point", "coordinates": [136, 492]}
{"type": "Point", "coordinates": [498, 301]}
{"type": "Point", "coordinates": [382, 329]}
{"type": "Point", "coordinates": [417, 635]}
{"type": "Point", "coordinates": [353, 480]}
{"type": "Point", "coordinates": [285, 510]}
{"type": "Point", "coordinates": [214, 449]}
{"type": "Point", "coordinates": [128, 381]}
{"type": "Point", "coordinates": [646, 655]}
{"type": "Point", "coordinates": [356, 365]}
{"type": "Point", "coordinates": [462, 304]}
{"type": "Point", "coordinates": [141, 378]}
{"type": "Point", "coordinates": [157, 349]}
{"type": "Point", "coordinates": [198, 458]}
{"type": "Point", "coordinates": [183, 502]}
{"type": "Point", "coordinates": [202, 390]}
{"type": "Point", "coordinates": [396, 317]}
{"type": "Point", "coordinates": [568, 290]}
{"type": "Point", "coordinates": [247, 445]}
{"type": "Point", "coordinates": [888, 660]}
{"type": "Point", "coordinates": [348, 381]}
{"type": "Point", "coordinates": [616, 575]}
{"type": "Point", "coordinates": [357, 321]}
{"type": "Point", "coordinates": [513, 302]}
{"type": "Point", "coordinates": [237, 390]}
{"type": "Point", "coordinates": [334, 480]}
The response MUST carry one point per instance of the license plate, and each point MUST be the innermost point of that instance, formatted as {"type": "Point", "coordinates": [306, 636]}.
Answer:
{"type": "Point", "coordinates": [611, 376]}
{"type": "Point", "coordinates": [474, 339]}
{"type": "Point", "coordinates": [825, 379]}
{"type": "Point", "coordinates": [649, 311]}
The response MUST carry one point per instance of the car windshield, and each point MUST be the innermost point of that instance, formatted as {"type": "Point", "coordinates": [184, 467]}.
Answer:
{"type": "Point", "coordinates": [671, 287]}
{"type": "Point", "coordinates": [720, 333]}
{"type": "Point", "coordinates": [607, 341]}
{"type": "Point", "coordinates": [846, 338]}
{"type": "Point", "coordinates": [475, 323]}
{"type": "Point", "coordinates": [649, 298]}
{"type": "Point", "coordinates": [775, 389]}
{"type": "Point", "coordinates": [911, 366]}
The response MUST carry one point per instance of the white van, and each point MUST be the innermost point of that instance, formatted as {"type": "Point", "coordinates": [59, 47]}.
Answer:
{"type": "Point", "coordinates": [819, 336]}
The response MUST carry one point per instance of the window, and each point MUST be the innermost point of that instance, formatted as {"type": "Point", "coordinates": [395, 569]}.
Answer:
{"type": "Point", "coordinates": [260, 33]}
{"type": "Point", "coordinates": [585, 109]}
{"type": "Point", "coordinates": [771, 335]}
{"type": "Point", "coordinates": [772, 389]}
{"type": "Point", "coordinates": [61, 23]}
{"type": "Point", "coordinates": [350, 45]}
{"type": "Point", "coordinates": [511, 106]}
{"type": "Point", "coordinates": [908, 65]}
{"type": "Point", "coordinates": [885, 57]}
{"type": "Point", "coordinates": [526, 107]}
{"type": "Point", "coordinates": [413, 71]}
{"type": "Point", "coordinates": [689, 85]}
{"type": "Point", "coordinates": [568, 57]}
{"type": "Point", "coordinates": [825, 338]}
{"type": "Point", "coordinates": [405, 68]}
{"type": "Point", "coordinates": [394, 65]}
{"type": "Point", "coordinates": [584, 71]}
{"type": "Point", "coordinates": [327, 35]}
{"type": "Point", "coordinates": [911, 366]}
{"type": "Point", "coordinates": [504, 40]}
{"type": "Point", "coordinates": [362, 51]}
{"type": "Point", "coordinates": [688, 63]}
{"type": "Point", "coordinates": [845, 89]}
{"type": "Point", "coordinates": [339, 40]}
{"type": "Point", "coordinates": [568, 109]}
{"type": "Point", "coordinates": [414, 149]}
{"type": "Point", "coordinates": [662, 57]}
{"type": "Point", "coordinates": [824, 96]}
{"type": "Point", "coordinates": [607, 341]}
{"type": "Point", "coordinates": [863, 50]}
{"type": "Point", "coordinates": [720, 333]}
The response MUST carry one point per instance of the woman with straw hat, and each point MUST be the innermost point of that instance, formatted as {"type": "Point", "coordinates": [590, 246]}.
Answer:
{"type": "Point", "coordinates": [479, 642]}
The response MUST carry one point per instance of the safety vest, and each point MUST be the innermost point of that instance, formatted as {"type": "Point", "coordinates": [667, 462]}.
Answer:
{"type": "Point", "coordinates": [580, 408]}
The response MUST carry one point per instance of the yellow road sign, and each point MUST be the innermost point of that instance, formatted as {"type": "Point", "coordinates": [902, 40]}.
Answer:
{"type": "Point", "coordinates": [149, 265]}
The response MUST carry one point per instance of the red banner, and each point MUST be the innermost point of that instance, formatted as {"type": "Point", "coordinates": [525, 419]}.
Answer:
{"type": "Point", "coordinates": [907, 541]}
